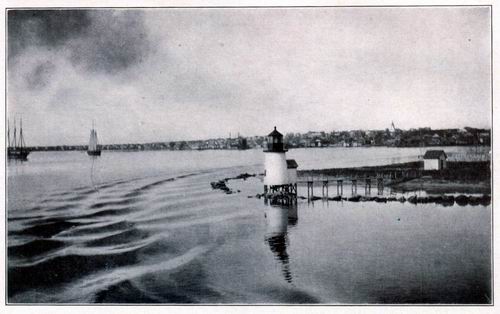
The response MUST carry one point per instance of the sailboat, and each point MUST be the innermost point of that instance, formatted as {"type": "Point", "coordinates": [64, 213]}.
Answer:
{"type": "Point", "coordinates": [93, 149]}
{"type": "Point", "coordinates": [16, 149]}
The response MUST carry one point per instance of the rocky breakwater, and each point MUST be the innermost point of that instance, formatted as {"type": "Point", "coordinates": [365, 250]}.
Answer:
{"type": "Point", "coordinates": [444, 200]}
{"type": "Point", "coordinates": [222, 184]}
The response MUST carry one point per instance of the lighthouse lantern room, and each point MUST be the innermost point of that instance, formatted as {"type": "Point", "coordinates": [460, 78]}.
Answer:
{"type": "Point", "coordinates": [277, 168]}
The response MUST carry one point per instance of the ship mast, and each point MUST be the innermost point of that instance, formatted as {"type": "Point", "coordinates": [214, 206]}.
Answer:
{"type": "Point", "coordinates": [21, 139]}
{"type": "Point", "coordinates": [15, 135]}
{"type": "Point", "coordinates": [8, 133]}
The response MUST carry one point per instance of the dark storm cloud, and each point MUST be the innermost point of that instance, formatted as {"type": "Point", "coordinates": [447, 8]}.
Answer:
{"type": "Point", "coordinates": [97, 40]}
{"type": "Point", "coordinates": [115, 41]}
{"type": "Point", "coordinates": [47, 28]}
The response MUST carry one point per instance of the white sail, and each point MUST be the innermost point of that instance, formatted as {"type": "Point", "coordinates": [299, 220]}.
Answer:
{"type": "Point", "coordinates": [93, 140]}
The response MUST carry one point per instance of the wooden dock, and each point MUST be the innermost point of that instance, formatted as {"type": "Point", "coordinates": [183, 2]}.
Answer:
{"type": "Point", "coordinates": [356, 177]}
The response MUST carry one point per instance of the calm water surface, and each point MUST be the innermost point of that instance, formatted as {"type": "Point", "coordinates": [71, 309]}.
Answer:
{"type": "Point", "coordinates": [147, 227]}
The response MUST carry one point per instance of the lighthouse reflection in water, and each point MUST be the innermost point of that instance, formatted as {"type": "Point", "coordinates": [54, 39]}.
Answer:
{"type": "Point", "coordinates": [279, 217]}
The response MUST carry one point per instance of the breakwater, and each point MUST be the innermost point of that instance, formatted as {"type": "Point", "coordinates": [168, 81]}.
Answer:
{"type": "Point", "coordinates": [445, 200]}
{"type": "Point", "coordinates": [221, 184]}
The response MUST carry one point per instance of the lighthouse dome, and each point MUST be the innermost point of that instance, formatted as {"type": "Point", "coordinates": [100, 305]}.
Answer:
{"type": "Point", "coordinates": [275, 142]}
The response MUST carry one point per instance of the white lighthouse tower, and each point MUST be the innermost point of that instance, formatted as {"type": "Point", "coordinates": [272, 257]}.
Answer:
{"type": "Point", "coordinates": [277, 173]}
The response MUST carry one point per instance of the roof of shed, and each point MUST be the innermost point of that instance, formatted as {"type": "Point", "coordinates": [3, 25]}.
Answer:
{"type": "Point", "coordinates": [434, 154]}
{"type": "Point", "coordinates": [291, 164]}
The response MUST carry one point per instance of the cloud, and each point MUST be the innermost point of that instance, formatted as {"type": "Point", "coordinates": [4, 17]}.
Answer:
{"type": "Point", "coordinates": [44, 28]}
{"type": "Point", "coordinates": [69, 67]}
{"type": "Point", "coordinates": [96, 40]}
{"type": "Point", "coordinates": [114, 41]}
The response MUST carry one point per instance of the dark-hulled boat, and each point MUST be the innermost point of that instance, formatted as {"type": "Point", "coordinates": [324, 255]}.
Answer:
{"type": "Point", "coordinates": [16, 148]}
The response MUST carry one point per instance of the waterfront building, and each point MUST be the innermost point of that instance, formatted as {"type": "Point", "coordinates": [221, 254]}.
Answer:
{"type": "Point", "coordinates": [435, 160]}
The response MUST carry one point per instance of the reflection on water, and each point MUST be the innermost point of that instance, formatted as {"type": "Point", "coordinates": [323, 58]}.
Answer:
{"type": "Point", "coordinates": [292, 214]}
{"type": "Point", "coordinates": [278, 216]}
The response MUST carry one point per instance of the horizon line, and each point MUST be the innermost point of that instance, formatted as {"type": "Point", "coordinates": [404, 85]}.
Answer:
{"type": "Point", "coordinates": [250, 136]}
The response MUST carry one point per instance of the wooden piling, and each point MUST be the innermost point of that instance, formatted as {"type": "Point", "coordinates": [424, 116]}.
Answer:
{"type": "Point", "coordinates": [325, 187]}
{"type": "Point", "coordinates": [340, 187]}
{"type": "Point", "coordinates": [368, 185]}
{"type": "Point", "coordinates": [380, 182]}
{"type": "Point", "coordinates": [380, 186]}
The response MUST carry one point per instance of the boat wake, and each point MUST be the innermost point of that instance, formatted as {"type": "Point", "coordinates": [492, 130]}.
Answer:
{"type": "Point", "coordinates": [85, 244]}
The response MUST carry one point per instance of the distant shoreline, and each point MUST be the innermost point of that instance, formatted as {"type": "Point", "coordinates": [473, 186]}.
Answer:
{"type": "Point", "coordinates": [152, 147]}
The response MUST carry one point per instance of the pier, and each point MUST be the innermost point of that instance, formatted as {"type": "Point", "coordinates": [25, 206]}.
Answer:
{"type": "Point", "coordinates": [339, 183]}
{"type": "Point", "coordinates": [355, 177]}
{"type": "Point", "coordinates": [382, 176]}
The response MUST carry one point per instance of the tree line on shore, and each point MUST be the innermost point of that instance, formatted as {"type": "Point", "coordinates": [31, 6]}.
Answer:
{"type": "Point", "coordinates": [354, 138]}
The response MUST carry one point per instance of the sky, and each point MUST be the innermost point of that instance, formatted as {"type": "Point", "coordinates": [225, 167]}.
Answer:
{"type": "Point", "coordinates": [146, 75]}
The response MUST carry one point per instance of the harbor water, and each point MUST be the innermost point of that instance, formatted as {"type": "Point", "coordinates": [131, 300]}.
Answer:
{"type": "Point", "coordinates": [147, 227]}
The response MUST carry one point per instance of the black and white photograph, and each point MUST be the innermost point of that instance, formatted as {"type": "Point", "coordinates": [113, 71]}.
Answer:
{"type": "Point", "coordinates": [249, 155]}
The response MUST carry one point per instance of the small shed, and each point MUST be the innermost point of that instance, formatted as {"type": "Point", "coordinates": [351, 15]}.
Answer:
{"type": "Point", "coordinates": [292, 166]}
{"type": "Point", "coordinates": [435, 160]}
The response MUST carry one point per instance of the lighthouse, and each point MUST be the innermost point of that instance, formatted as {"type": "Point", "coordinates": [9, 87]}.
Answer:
{"type": "Point", "coordinates": [279, 171]}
